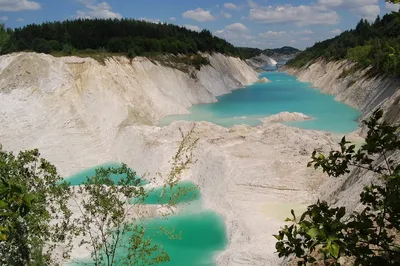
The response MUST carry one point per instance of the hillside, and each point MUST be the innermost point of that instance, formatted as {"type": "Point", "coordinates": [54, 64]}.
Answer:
{"type": "Point", "coordinates": [283, 51]}
{"type": "Point", "coordinates": [369, 44]}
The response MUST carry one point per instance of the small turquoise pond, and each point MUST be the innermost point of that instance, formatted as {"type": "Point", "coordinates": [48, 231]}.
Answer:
{"type": "Point", "coordinates": [81, 177]}
{"type": "Point", "coordinates": [283, 93]}
{"type": "Point", "coordinates": [201, 234]}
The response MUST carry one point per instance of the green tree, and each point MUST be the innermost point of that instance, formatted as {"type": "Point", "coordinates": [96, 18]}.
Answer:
{"type": "Point", "coordinates": [42, 46]}
{"type": "Point", "coordinates": [369, 45]}
{"type": "Point", "coordinates": [4, 38]}
{"type": "Point", "coordinates": [369, 237]}
{"type": "Point", "coordinates": [33, 209]}
{"type": "Point", "coordinates": [361, 55]}
{"type": "Point", "coordinates": [112, 219]}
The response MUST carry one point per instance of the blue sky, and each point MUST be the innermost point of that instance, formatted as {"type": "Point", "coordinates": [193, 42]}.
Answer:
{"type": "Point", "coordinates": [253, 23]}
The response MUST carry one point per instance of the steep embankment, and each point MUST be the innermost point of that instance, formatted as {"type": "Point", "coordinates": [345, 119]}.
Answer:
{"type": "Point", "coordinates": [362, 91]}
{"type": "Point", "coordinates": [355, 88]}
{"type": "Point", "coordinates": [91, 97]}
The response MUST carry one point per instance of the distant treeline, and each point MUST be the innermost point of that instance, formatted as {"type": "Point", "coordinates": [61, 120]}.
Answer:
{"type": "Point", "coordinates": [376, 44]}
{"type": "Point", "coordinates": [128, 36]}
{"type": "Point", "coordinates": [247, 52]}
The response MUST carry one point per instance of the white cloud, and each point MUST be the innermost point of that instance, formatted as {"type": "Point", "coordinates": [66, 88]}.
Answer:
{"type": "Point", "coordinates": [3, 18]}
{"type": "Point", "coordinates": [20, 20]}
{"type": "Point", "coordinates": [369, 12]}
{"type": "Point", "coordinates": [236, 34]}
{"type": "Point", "coordinates": [336, 31]}
{"type": "Point", "coordinates": [232, 35]}
{"type": "Point", "coordinates": [225, 15]}
{"type": "Point", "coordinates": [392, 7]}
{"type": "Point", "coordinates": [305, 32]}
{"type": "Point", "coordinates": [192, 27]}
{"type": "Point", "coordinates": [368, 9]}
{"type": "Point", "coordinates": [272, 34]}
{"type": "Point", "coordinates": [305, 39]}
{"type": "Point", "coordinates": [198, 14]}
{"type": "Point", "coordinates": [97, 10]}
{"type": "Point", "coordinates": [18, 5]}
{"type": "Point", "coordinates": [172, 18]}
{"type": "Point", "coordinates": [300, 15]}
{"type": "Point", "coordinates": [236, 27]}
{"type": "Point", "coordinates": [152, 20]}
{"type": "Point", "coordinates": [230, 6]}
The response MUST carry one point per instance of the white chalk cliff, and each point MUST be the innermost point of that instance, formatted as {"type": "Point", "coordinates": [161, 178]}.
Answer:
{"type": "Point", "coordinates": [80, 113]}
{"type": "Point", "coordinates": [365, 92]}
{"type": "Point", "coordinates": [357, 88]}
{"type": "Point", "coordinates": [260, 61]}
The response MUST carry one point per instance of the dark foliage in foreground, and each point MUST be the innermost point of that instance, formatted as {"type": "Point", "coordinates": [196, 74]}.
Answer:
{"type": "Point", "coordinates": [368, 237]}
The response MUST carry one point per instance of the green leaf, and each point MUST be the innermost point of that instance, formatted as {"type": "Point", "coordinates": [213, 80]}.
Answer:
{"type": "Point", "coordinates": [314, 232]}
{"type": "Point", "coordinates": [334, 250]}
{"type": "Point", "coordinates": [28, 198]}
{"type": "Point", "coordinates": [15, 189]}
{"type": "Point", "coordinates": [3, 204]}
{"type": "Point", "coordinates": [294, 216]}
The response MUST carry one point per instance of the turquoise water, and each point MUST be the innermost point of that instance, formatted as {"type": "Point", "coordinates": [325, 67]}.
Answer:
{"type": "Point", "coordinates": [184, 192]}
{"type": "Point", "coordinates": [283, 93]}
{"type": "Point", "coordinates": [201, 234]}
{"type": "Point", "coordinates": [81, 177]}
{"type": "Point", "coordinates": [196, 238]}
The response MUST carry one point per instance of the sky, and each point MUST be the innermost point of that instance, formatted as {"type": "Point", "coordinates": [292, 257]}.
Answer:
{"type": "Point", "coordinates": [251, 23]}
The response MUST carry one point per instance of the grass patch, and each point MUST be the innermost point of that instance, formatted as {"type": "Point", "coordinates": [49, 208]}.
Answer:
{"type": "Point", "coordinates": [184, 63]}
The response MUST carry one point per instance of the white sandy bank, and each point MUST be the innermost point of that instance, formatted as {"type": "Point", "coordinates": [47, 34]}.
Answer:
{"type": "Point", "coordinates": [286, 117]}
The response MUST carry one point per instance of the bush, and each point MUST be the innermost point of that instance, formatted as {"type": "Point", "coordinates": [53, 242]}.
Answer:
{"type": "Point", "coordinates": [89, 51]}
{"type": "Point", "coordinates": [199, 61]}
{"type": "Point", "coordinates": [68, 49]}
{"type": "Point", "coordinates": [54, 45]}
{"type": "Point", "coordinates": [361, 55]}
{"type": "Point", "coordinates": [369, 237]}
{"type": "Point", "coordinates": [28, 184]}
{"type": "Point", "coordinates": [131, 53]}
{"type": "Point", "coordinates": [42, 46]}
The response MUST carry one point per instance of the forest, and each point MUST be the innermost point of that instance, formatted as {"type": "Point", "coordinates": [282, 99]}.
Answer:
{"type": "Point", "coordinates": [374, 44]}
{"type": "Point", "coordinates": [128, 36]}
